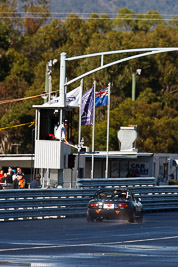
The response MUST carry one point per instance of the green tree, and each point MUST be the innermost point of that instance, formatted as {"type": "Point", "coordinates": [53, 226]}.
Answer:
{"type": "Point", "coordinates": [125, 20]}
{"type": "Point", "coordinates": [37, 13]}
{"type": "Point", "coordinates": [147, 22]}
{"type": "Point", "coordinates": [24, 55]}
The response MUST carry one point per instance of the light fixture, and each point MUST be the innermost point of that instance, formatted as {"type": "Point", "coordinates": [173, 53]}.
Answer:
{"type": "Point", "coordinates": [54, 61]}
{"type": "Point", "coordinates": [138, 71]}
{"type": "Point", "coordinates": [53, 95]}
{"type": "Point", "coordinates": [44, 95]}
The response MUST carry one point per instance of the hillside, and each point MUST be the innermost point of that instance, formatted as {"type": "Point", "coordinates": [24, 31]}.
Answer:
{"type": "Point", "coordinates": [27, 44]}
{"type": "Point", "coordinates": [111, 6]}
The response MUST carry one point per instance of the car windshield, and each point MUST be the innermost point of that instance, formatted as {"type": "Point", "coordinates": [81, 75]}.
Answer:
{"type": "Point", "coordinates": [116, 195]}
{"type": "Point", "coordinates": [105, 195]}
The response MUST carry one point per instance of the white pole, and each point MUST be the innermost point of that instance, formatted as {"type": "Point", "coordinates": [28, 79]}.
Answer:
{"type": "Point", "coordinates": [93, 134]}
{"type": "Point", "coordinates": [80, 112]}
{"type": "Point", "coordinates": [62, 93]}
{"type": "Point", "coordinates": [108, 118]}
{"type": "Point", "coordinates": [50, 86]}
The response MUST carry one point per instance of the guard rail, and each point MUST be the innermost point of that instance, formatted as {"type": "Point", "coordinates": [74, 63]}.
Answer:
{"type": "Point", "coordinates": [57, 203]}
{"type": "Point", "coordinates": [115, 182]}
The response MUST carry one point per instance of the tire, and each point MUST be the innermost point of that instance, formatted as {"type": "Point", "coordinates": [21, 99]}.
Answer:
{"type": "Point", "coordinates": [132, 217]}
{"type": "Point", "coordinates": [139, 219]}
{"type": "Point", "coordinates": [89, 218]}
{"type": "Point", "coordinates": [99, 219]}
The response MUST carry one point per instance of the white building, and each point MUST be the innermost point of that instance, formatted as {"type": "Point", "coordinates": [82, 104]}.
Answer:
{"type": "Point", "coordinates": [127, 162]}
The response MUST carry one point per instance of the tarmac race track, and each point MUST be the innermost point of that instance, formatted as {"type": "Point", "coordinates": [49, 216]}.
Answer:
{"type": "Point", "coordinates": [75, 242]}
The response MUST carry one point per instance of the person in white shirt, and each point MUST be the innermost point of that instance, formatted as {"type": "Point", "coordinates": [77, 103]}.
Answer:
{"type": "Point", "coordinates": [61, 132]}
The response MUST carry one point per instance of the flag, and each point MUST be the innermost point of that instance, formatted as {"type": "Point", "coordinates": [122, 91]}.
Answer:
{"type": "Point", "coordinates": [52, 103]}
{"type": "Point", "coordinates": [87, 108]}
{"type": "Point", "coordinates": [72, 99]}
{"type": "Point", "coordinates": [101, 97]}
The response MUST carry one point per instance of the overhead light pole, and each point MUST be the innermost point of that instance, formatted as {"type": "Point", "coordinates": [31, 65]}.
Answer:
{"type": "Point", "coordinates": [48, 80]}
{"type": "Point", "coordinates": [49, 72]}
{"type": "Point", "coordinates": [138, 72]}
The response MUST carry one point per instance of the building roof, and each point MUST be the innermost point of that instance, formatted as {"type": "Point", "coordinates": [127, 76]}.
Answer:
{"type": "Point", "coordinates": [119, 154]}
{"type": "Point", "coordinates": [17, 157]}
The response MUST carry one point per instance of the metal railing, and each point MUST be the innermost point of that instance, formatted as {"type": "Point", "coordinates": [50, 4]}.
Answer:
{"type": "Point", "coordinates": [60, 203]}
{"type": "Point", "coordinates": [111, 182]}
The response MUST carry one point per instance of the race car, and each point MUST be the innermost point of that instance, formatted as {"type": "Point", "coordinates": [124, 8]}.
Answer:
{"type": "Point", "coordinates": [115, 204]}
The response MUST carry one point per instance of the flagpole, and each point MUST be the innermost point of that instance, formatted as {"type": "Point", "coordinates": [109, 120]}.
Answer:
{"type": "Point", "coordinates": [108, 118]}
{"type": "Point", "coordinates": [93, 134]}
{"type": "Point", "coordinates": [80, 112]}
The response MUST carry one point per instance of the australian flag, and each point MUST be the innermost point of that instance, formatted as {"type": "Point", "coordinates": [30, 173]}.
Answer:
{"type": "Point", "coordinates": [101, 97]}
{"type": "Point", "coordinates": [87, 108]}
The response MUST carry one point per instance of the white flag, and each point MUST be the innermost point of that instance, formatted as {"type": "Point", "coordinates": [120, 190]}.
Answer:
{"type": "Point", "coordinates": [52, 103]}
{"type": "Point", "coordinates": [72, 99]}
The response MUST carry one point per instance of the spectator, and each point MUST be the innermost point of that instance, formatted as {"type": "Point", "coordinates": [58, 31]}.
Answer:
{"type": "Point", "coordinates": [9, 176]}
{"type": "Point", "coordinates": [1, 174]}
{"type": "Point", "coordinates": [36, 183]}
{"type": "Point", "coordinates": [15, 180]}
{"type": "Point", "coordinates": [19, 171]}
{"type": "Point", "coordinates": [21, 180]}
{"type": "Point", "coordinates": [4, 179]}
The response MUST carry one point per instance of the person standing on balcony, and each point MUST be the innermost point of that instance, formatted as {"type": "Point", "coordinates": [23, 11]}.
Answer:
{"type": "Point", "coordinates": [61, 132]}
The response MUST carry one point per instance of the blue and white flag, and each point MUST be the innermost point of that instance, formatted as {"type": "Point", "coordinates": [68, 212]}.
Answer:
{"type": "Point", "coordinates": [101, 97]}
{"type": "Point", "coordinates": [87, 108]}
{"type": "Point", "coordinates": [72, 99]}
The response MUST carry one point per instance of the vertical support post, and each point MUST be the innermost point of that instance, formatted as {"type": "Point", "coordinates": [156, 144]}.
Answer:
{"type": "Point", "coordinates": [93, 134]}
{"type": "Point", "coordinates": [133, 86]}
{"type": "Point", "coordinates": [108, 119]}
{"type": "Point", "coordinates": [60, 177]}
{"type": "Point", "coordinates": [46, 83]}
{"type": "Point", "coordinates": [61, 120]}
{"type": "Point", "coordinates": [38, 125]}
{"type": "Point", "coordinates": [80, 112]}
{"type": "Point", "coordinates": [102, 60]}
{"type": "Point", "coordinates": [42, 176]}
{"type": "Point", "coordinates": [62, 93]}
{"type": "Point", "coordinates": [48, 177]}
{"type": "Point", "coordinates": [50, 87]}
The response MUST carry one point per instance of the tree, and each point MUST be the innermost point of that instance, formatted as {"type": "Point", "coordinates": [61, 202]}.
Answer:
{"type": "Point", "coordinates": [147, 22]}
{"type": "Point", "coordinates": [125, 20]}
{"type": "Point", "coordinates": [37, 13]}
{"type": "Point", "coordinates": [19, 65]}
{"type": "Point", "coordinates": [24, 55]}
